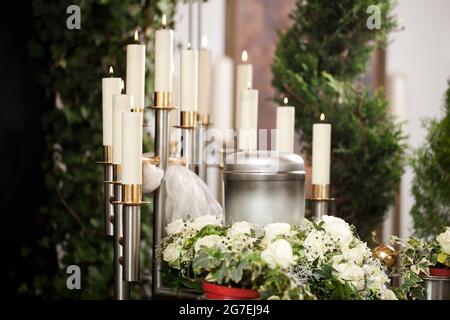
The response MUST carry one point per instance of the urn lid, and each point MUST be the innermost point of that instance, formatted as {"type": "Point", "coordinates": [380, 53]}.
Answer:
{"type": "Point", "coordinates": [262, 161]}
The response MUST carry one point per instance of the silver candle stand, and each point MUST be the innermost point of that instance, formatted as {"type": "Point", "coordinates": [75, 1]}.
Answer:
{"type": "Point", "coordinates": [321, 203]}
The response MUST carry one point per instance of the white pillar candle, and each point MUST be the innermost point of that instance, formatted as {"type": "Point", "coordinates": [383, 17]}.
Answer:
{"type": "Point", "coordinates": [244, 80]}
{"type": "Point", "coordinates": [285, 127]}
{"type": "Point", "coordinates": [189, 80]}
{"type": "Point", "coordinates": [248, 132]}
{"type": "Point", "coordinates": [135, 82]}
{"type": "Point", "coordinates": [132, 147]}
{"type": "Point", "coordinates": [204, 79]}
{"type": "Point", "coordinates": [110, 87]}
{"type": "Point", "coordinates": [163, 58]}
{"type": "Point", "coordinates": [121, 103]}
{"type": "Point", "coordinates": [222, 105]}
{"type": "Point", "coordinates": [321, 152]}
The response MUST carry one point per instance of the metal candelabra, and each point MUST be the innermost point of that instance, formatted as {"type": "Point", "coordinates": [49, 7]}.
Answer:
{"type": "Point", "coordinates": [321, 203]}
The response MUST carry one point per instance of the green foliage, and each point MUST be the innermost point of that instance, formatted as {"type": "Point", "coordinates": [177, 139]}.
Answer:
{"type": "Point", "coordinates": [317, 65]}
{"type": "Point", "coordinates": [431, 184]}
{"type": "Point", "coordinates": [416, 258]}
{"type": "Point", "coordinates": [72, 64]}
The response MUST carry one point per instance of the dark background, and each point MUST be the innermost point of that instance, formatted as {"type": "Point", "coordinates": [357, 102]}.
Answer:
{"type": "Point", "coordinates": [22, 104]}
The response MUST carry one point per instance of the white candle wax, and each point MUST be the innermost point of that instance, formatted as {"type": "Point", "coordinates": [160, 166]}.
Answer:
{"type": "Point", "coordinates": [248, 132]}
{"type": "Point", "coordinates": [132, 147]}
{"type": "Point", "coordinates": [189, 80]}
{"type": "Point", "coordinates": [244, 80]}
{"type": "Point", "coordinates": [135, 82]}
{"type": "Point", "coordinates": [110, 87]}
{"type": "Point", "coordinates": [321, 153]}
{"type": "Point", "coordinates": [222, 106]}
{"type": "Point", "coordinates": [121, 103]}
{"type": "Point", "coordinates": [286, 128]}
{"type": "Point", "coordinates": [163, 60]}
{"type": "Point", "coordinates": [204, 81]}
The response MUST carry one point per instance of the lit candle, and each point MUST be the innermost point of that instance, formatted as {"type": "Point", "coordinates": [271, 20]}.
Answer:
{"type": "Point", "coordinates": [163, 58]}
{"type": "Point", "coordinates": [121, 103]}
{"type": "Point", "coordinates": [189, 79]}
{"type": "Point", "coordinates": [110, 87]}
{"type": "Point", "coordinates": [132, 147]}
{"type": "Point", "coordinates": [135, 82]}
{"type": "Point", "coordinates": [286, 127]}
{"type": "Point", "coordinates": [204, 78]}
{"type": "Point", "coordinates": [244, 78]}
{"type": "Point", "coordinates": [248, 131]}
{"type": "Point", "coordinates": [321, 152]}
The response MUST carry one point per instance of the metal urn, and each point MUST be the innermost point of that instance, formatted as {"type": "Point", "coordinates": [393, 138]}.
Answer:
{"type": "Point", "coordinates": [261, 187]}
{"type": "Point", "coordinates": [437, 288]}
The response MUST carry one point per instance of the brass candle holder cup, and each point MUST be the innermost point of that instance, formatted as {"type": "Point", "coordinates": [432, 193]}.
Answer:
{"type": "Point", "coordinates": [188, 126]}
{"type": "Point", "coordinates": [321, 203]}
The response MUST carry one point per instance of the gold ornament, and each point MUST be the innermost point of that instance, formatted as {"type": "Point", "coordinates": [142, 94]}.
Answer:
{"type": "Point", "coordinates": [386, 254]}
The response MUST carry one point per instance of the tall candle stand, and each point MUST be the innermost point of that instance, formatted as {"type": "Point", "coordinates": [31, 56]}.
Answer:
{"type": "Point", "coordinates": [108, 190]}
{"type": "Point", "coordinates": [121, 287]}
{"type": "Point", "coordinates": [321, 203]}
{"type": "Point", "coordinates": [199, 145]}
{"type": "Point", "coordinates": [132, 201]}
{"type": "Point", "coordinates": [162, 107]}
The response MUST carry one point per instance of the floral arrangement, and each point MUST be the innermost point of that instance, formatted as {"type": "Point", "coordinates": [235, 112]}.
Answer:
{"type": "Point", "coordinates": [320, 259]}
{"type": "Point", "coordinates": [419, 257]}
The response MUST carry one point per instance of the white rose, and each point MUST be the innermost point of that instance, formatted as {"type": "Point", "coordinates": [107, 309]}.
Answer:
{"type": "Point", "coordinates": [356, 254]}
{"type": "Point", "coordinates": [387, 294]}
{"type": "Point", "coordinates": [338, 229]}
{"type": "Point", "coordinates": [350, 272]}
{"type": "Point", "coordinates": [171, 254]}
{"type": "Point", "coordinates": [238, 228]}
{"type": "Point", "coordinates": [444, 240]}
{"type": "Point", "coordinates": [203, 221]}
{"type": "Point", "coordinates": [209, 242]}
{"type": "Point", "coordinates": [279, 253]}
{"type": "Point", "coordinates": [272, 230]}
{"type": "Point", "coordinates": [175, 227]}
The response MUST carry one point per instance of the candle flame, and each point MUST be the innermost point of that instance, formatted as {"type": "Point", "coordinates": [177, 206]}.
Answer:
{"type": "Point", "coordinates": [244, 56]}
{"type": "Point", "coordinates": [164, 20]}
{"type": "Point", "coordinates": [122, 85]}
{"type": "Point", "coordinates": [249, 85]}
{"type": "Point", "coordinates": [285, 100]}
{"type": "Point", "coordinates": [136, 36]}
{"type": "Point", "coordinates": [204, 42]}
{"type": "Point", "coordinates": [111, 70]}
{"type": "Point", "coordinates": [322, 117]}
{"type": "Point", "coordinates": [189, 46]}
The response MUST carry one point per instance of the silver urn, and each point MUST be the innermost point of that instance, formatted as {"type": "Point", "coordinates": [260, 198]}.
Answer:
{"type": "Point", "coordinates": [261, 187]}
{"type": "Point", "coordinates": [436, 288]}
